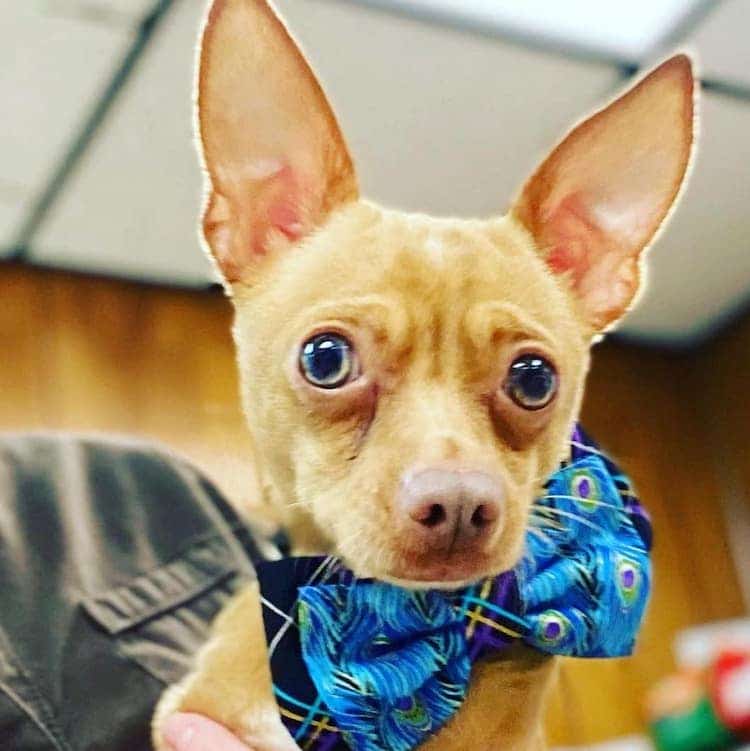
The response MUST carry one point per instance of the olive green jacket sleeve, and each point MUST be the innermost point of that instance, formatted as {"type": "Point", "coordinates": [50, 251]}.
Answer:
{"type": "Point", "coordinates": [114, 559]}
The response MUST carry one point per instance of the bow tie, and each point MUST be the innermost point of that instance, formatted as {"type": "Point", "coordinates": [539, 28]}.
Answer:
{"type": "Point", "coordinates": [371, 666]}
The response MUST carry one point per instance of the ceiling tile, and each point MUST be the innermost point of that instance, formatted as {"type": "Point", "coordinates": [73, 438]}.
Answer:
{"type": "Point", "coordinates": [459, 147]}
{"type": "Point", "coordinates": [722, 42]}
{"type": "Point", "coordinates": [51, 71]}
{"type": "Point", "coordinates": [132, 206]}
{"type": "Point", "coordinates": [620, 31]}
{"type": "Point", "coordinates": [114, 12]}
{"type": "Point", "coordinates": [137, 8]}
{"type": "Point", "coordinates": [699, 270]}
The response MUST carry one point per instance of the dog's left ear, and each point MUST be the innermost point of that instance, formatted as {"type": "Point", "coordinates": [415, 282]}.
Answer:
{"type": "Point", "coordinates": [597, 201]}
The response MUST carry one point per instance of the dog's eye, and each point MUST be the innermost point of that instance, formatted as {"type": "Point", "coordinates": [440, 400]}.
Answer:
{"type": "Point", "coordinates": [327, 361]}
{"type": "Point", "coordinates": [531, 382]}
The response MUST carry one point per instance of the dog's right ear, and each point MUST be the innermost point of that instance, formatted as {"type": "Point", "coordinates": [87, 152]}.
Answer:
{"type": "Point", "coordinates": [275, 156]}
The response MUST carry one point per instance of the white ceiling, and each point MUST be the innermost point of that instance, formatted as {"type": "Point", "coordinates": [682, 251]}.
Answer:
{"type": "Point", "coordinates": [107, 12]}
{"type": "Point", "coordinates": [51, 68]}
{"type": "Point", "coordinates": [700, 267]}
{"type": "Point", "coordinates": [722, 40]}
{"type": "Point", "coordinates": [438, 119]}
{"type": "Point", "coordinates": [628, 31]}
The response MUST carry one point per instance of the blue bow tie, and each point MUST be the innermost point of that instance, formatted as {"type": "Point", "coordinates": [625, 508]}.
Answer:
{"type": "Point", "coordinates": [371, 666]}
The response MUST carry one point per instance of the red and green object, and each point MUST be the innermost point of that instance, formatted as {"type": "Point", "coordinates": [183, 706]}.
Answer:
{"type": "Point", "coordinates": [729, 689]}
{"type": "Point", "coordinates": [683, 717]}
{"type": "Point", "coordinates": [699, 729]}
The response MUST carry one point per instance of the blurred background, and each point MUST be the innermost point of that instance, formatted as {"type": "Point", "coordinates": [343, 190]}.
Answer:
{"type": "Point", "coordinates": [110, 318]}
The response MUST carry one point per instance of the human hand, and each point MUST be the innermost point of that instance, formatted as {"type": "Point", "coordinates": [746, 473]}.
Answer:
{"type": "Point", "coordinates": [186, 731]}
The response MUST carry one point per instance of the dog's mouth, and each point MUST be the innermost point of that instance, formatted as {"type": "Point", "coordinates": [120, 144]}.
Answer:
{"type": "Point", "coordinates": [412, 564]}
{"type": "Point", "coordinates": [447, 571]}
{"type": "Point", "coordinates": [411, 570]}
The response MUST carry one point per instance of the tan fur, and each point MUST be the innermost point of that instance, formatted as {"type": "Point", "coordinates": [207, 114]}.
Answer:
{"type": "Point", "coordinates": [437, 310]}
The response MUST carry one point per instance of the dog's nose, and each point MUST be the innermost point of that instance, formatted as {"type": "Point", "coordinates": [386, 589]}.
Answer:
{"type": "Point", "coordinates": [451, 509]}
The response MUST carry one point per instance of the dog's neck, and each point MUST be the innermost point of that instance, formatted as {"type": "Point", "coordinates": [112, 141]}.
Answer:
{"type": "Point", "coordinates": [504, 706]}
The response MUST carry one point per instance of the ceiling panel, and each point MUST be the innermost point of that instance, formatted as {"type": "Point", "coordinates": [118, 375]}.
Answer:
{"type": "Point", "coordinates": [460, 147]}
{"type": "Point", "coordinates": [51, 69]}
{"type": "Point", "coordinates": [700, 268]}
{"type": "Point", "coordinates": [137, 8]}
{"type": "Point", "coordinates": [722, 41]}
{"type": "Point", "coordinates": [132, 206]}
{"type": "Point", "coordinates": [622, 31]}
{"type": "Point", "coordinates": [101, 11]}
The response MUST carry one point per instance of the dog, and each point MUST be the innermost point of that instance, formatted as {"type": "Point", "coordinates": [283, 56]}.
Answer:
{"type": "Point", "coordinates": [409, 381]}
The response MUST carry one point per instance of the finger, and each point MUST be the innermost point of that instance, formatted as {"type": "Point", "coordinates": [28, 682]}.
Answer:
{"type": "Point", "coordinates": [192, 732]}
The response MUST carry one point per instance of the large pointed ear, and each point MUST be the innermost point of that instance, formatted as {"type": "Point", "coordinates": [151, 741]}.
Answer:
{"type": "Point", "coordinates": [275, 157]}
{"type": "Point", "coordinates": [597, 201]}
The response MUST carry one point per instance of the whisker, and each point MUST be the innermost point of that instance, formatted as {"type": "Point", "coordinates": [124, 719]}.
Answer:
{"type": "Point", "coordinates": [569, 515]}
{"type": "Point", "coordinates": [298, 503]}
{"type": "Point", "coordinates": [592, 501]}
{"type": "Point", "coordinates": [323, 571]}
{"type": "Point", "coordinates": [545, 521]}
{"type": "Point", "coordinates": [539, 533]}
{"type": "Point", "coordinates": [349, 540]}
{"type": "Point", "coordinates": [588, 449]}
{"type": "Point", "coordinates": [582, 520]}
{"type": "Point", "coordinates": [539, 481]}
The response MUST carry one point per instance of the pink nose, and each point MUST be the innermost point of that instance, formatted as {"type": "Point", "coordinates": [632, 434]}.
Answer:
{"type": "Point", "coordinates": [451, 509]}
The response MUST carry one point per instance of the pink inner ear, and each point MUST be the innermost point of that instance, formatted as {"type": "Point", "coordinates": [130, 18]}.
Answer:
{"type": "Point", "coordinates": [267, 204]}
{"type": "Point", "coordinates": [277, 203]}
{"type": "Point", "coordinates": [575, 242]}
{"type": "Point", "coordinates": [594, 257]}
{"type": "Point", "coordinates": [285, 217]}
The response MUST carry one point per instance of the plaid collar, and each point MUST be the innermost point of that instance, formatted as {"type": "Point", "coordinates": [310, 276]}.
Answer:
{"type": "Point", "coordinates": [370, 666]}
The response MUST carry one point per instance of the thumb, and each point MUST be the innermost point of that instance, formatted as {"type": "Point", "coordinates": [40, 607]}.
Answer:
{"type": "Point", "coordinates": [192, 732]}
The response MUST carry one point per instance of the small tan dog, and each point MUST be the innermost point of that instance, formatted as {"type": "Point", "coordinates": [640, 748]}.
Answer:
{"type": "Point", "coordinates": [409, 381]}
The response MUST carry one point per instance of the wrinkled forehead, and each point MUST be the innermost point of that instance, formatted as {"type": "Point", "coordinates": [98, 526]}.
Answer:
{"type": "Point", "coordinates": [420, 274]}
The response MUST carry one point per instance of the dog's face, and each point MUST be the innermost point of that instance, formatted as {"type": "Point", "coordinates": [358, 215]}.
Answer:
{"type": "Point", "coordinates": [379, 378]}
{"type": "Point", "coordinates": [410, 382]}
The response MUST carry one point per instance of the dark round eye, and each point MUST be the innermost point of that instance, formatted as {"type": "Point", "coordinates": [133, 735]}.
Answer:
{"type": "Point", "coordinates": [327, 360]}
{"type": "Point", "coordinates": [531, 382]}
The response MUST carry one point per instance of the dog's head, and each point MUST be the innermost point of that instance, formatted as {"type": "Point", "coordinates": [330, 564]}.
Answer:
{"type": "Point", "coordinates": [410, 381]}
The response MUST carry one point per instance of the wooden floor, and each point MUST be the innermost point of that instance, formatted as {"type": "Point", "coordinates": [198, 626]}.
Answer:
{"type": "Point", "coordinates": [87, 354]}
